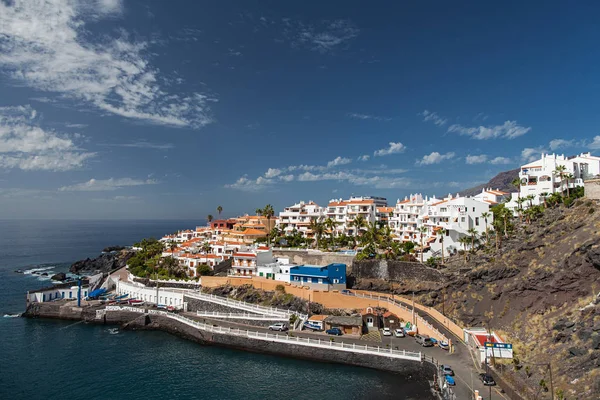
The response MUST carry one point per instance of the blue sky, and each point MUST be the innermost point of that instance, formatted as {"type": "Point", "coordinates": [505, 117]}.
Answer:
{"type": "Point", "coordinates": [156, 109]}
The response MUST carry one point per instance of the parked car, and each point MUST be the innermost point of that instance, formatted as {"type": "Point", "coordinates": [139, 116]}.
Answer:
{"type": "Point", "coordinates": [346, 291]}
{"type": "Point", "coordinates": [444, 345]}
{"type": "Point", "coordinates": [423, 340]}
{"type": "Point", "coordinates": [434, 341]}
{"type": "Point", "coordinates": [487, 380]}
{"type": "Point", "coordinates": [450, 380]}
{"type": "Point", "coordinates": [411, 333]}
{"type": "Point", "coordinates": [446, 370]}
{"type": "Point", "coordinates": [399, 332]}
{"type": "Point", "coordinates": [334, 331]}
{"type": "Point", "coordinates": [387, 332]}
{"type": "Point", "coordinates": [279, 326]}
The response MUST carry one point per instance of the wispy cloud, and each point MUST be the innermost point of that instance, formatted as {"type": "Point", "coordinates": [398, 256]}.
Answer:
{"type": "Point", "coordinates": [118, 199]}
{"type": "Point", "coordinates": [435, 158]}
{"type": "Point", "coordinates": [145, 145]}
{"type": "Point", "coordinates": [96, 185]}
{"type": "Point", "coordinates": [483, 158]}
{"type": "Point", "coordinates": [324, 37]}
{"type": "Point", "coordinates": [25, 145]}
{"type": "Point", "coordinates": [530, 154]}
{"type": "Point", "coordinates": [338, 161]}
{"type": "Point", "coordinates": [45, 45]}
{"type": "Point", "coordinates": [556, 144]}
{"type": "Point", "coordinates": [76, 126]}
{"type": "Point", "coordinates": [433, 117]}
{"type": "Point", "coordinates": [595, 143]}
{"type": "Point", "coordinates": [508, 130]}
{"type": "Point", "coordinates": [364, 157]}
{"type": "Point", "coordinates": [365, 117]}
{"type": "Point", "coordinates": [394, 148]}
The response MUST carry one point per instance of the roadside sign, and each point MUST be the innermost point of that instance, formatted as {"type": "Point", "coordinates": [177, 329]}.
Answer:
{"type": "Point", "coordinates": [498, 350]}
{"type": "Point", "coordinates": [498, 345]}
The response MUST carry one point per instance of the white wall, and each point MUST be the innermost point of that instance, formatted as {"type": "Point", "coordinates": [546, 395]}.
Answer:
{"type": "Point", "coordinates": [170, 297]}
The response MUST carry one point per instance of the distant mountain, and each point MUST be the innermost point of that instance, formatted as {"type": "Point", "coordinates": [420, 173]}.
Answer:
{"type": "Point", "coordinates": [502, 182]}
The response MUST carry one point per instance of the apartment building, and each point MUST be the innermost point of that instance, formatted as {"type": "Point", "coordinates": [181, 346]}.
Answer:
{"type": "Point", "coordinates": [298, 217]}
{"type": "Point", "coordinates": [344, 212]}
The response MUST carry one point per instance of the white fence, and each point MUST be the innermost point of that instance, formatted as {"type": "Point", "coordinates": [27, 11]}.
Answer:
{"type": "Point", "coordinates": [125, 308]}
{"type": "Point", "coordinates": [259, 317]}
{"type": "Point", "coordinates": [241, 305]}
{"type": "Point", "coordinates": [284, 338]}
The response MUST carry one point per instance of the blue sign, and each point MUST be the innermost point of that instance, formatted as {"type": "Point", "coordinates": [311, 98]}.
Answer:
{"type": "Point", "coordinates": [498, 345]}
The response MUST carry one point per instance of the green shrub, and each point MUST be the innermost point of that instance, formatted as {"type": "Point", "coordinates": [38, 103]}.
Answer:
{"type": "Point", "coordinates": [591, 210]}
{"type": "Point", "coordinates": [280, 288]}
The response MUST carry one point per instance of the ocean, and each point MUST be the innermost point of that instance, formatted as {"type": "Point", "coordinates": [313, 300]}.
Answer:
{"type": "Point", "coordinates": [48, 359]}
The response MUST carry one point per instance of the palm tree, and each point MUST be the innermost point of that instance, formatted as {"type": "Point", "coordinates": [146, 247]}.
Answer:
{"type": "Point", "coordinates": [497, 224]}
{"type": "Point", "coordinates": [206, 247]}
{"type": "Point", "coordinates": [422, 230]}
{"type": "Point", "coordinates": [172, 247]}
{"type": "Point", "coordinates": [317, 229]}
{"type": "Point", "coordinates": [209, 218]}
{"type": "Point", "coordinates": [442, 232]}
{"type": "Point", "coordinates": [473, 233]}
{"type": "Point", "coordinates": [464, 240]}
{"type": "Point", "coordinates": [485, 216]}
{"type": "Point", "coordinates": [561, 172]}
{"type": "Point", "coordinates": [331, 225]}
{"type": "Point", "coordinates": [530, 198]}
{"type": "Point", "coordinates": [517, 183]}
{"type": "Point", "coordinates": [359, 223]}
{"type": "Point", "coordinates": [543, 196]}
{"type": "Point", "coordinates": [567, 178]}
{"type": "Point", "coordinates": [219, 210]}
{"type": "Point", "coordinates": [268, 213]}
{"type": "Point", "coordinates": [520, 202]}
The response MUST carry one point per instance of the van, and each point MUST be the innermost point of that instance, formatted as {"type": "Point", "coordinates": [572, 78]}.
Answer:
{"type": "Point", "coordinates": [424, 340]}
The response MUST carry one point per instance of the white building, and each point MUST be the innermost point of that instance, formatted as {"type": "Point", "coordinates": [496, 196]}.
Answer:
{"type": "Point", "coordinates": [344, 212]}
{"type": "Point", "coordinates": [246, 263]}
{"type": "Point", "coordinates": [298, 218]}
{"type": "Point", "coordinates": [492, 196]}
{"type": "Point", "coordinates": [539, 178]}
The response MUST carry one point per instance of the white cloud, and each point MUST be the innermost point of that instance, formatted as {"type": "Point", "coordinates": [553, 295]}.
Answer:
{"type": "Point", "coordinates": [95, 185]}
{"type": "Point", "coordinates": [78, 126]}
{"type": "Point", "coordinates": [476, 159]}
{"type": "Point", "coordinates": [367, 117]}
{"type": "Point", "coordinates": [394, 148]}
{"type": "Point", "coordinates": [286, 178]}
{"type": "Point", "coordinates": [118, 199]}
{"type": "Point", "coordinates": [323, 37]}
{"type": "Point", "coordinates": [530, 154]}
{"type": "Point", "coordinates": [45, 45]}
{"type": "Point", "coordinates": [501, 160]}
{"type": "Point", "coordinates": [272, 173]}
{"type": "Point", "coordinates": [556, 144]}
{"type": "Point", "coordinates": [25, 145]}
{"type": "Point", "coordinates": [364, 157]}
{"type": "Point", "coordinates": [508, 130]}
{"type": "Point", "coordinates": [433, 117]}
{"type": "Point", "coordinates": [338, 161]}
{"type": "Point", "coordinates": [595, 144]}
{"type": "Point", "coordinates": [146, 145]}
{"type": "Point", "coordinates": [435, 158]}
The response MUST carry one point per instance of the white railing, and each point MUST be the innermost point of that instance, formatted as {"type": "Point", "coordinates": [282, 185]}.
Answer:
{"type": "Point", "coordinates": [259, 317]}
{"type": "Point", "coordinates": [254, 308]}
{"type": "Point", "coordinates": [285, 338]}
{"type": "Point", "coordinates": [125, 308]}
{"type": "Point", "coordinates": [397, 303]}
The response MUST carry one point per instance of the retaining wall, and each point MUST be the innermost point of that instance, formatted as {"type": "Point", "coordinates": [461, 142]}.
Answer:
{"type": "Point", "coordinates": [300, 257]}
{"type": "Point", "coordinates": [194, 305]}
{"type": "Point", "coordinates": [394, 270]}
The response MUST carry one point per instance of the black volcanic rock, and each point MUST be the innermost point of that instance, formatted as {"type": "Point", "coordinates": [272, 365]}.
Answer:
{"type": "Point", "coordinates": [61, 276]}
{"type": "Point", "coordinates": [113, 248]}
{"type": "Point", "coordinates": [502, 181]}
{"type": "Point", "coordinates": [105, 262]}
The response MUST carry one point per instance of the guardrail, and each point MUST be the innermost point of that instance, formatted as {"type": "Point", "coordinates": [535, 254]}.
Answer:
{"type": "Point", "coordinates": [125, 308]}
{"type": "Point", "coordinates": [260, 317]}
{"type": "Point", "coordinates": [281, 338]}
{"type": "Point", "coordinates": [255, 308]}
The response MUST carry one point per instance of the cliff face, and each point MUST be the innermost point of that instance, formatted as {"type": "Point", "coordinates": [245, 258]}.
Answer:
{"type": "Point", "coordinates": [502, 181]}
{"type": "Point", "coordinates": [540, 291]}
{"type": "Point", "coordinates": [105, 262]}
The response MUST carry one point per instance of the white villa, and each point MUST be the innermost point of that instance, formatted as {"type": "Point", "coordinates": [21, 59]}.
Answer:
{"type": "Point", "coordinates": [539, 178]}
{"type": "Point", "coordinates": [246, 263]}
{"type": "Point", "coordinates": [343, 212]}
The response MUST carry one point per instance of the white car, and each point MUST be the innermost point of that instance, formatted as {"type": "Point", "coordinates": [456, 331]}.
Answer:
{"type": "Point", "coordinates": [399, 333]}
{"type": "Point", "coordinates": [280, 326]}
{"type": "Point", "coordinates": [387, 332]}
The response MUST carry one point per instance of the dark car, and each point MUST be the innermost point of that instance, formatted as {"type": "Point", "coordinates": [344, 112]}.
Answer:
{"type": "Point", "coordinates": [447, 370]}
{"type": "Point", "coordinates": [334, 331]}
{"type": "Point", "coordinates": [487, 380]}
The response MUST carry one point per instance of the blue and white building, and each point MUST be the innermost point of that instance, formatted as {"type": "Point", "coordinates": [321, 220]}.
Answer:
{"type": "Point", "coordinates": [329, 277]}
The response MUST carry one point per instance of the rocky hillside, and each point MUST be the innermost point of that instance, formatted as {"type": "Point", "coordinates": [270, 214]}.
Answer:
{"type": "Point", "coordinates": [540, 291]}
{"type": "Point", "coordinates": [105, 262]}
{"type": "Point", "coordinates": [502, 181]}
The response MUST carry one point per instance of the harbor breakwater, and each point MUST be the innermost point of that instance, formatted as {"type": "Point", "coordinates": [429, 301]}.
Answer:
{"type": "Point", "coordinates": [275, 344]}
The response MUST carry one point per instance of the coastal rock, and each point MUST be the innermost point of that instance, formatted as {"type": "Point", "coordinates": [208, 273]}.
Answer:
{"type": "Point", "coordinates": [105, 262]}
{"type": "Point", "coordinates": [61, 276]}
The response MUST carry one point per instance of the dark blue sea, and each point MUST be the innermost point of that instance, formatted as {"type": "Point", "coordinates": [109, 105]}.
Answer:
{"type": "Point", "coordinates": [48, 359]}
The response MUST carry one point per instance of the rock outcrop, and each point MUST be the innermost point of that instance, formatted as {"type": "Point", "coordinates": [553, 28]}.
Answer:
{"type": "Point", "coordinates": [105, 262]}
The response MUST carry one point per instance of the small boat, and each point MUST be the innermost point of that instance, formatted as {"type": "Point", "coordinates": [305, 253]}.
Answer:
{"type": "Point", "coordinates": [135, 301]}
{"type": "Point", "coordinates": [121, 296]}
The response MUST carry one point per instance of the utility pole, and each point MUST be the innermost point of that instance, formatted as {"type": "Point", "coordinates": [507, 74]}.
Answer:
{"type": "Point", "coordinates": [413, 308]}
{"type": "Point", "coordinates": [551, 385]}
{"type": "Point", "coordinates": [156, 269]}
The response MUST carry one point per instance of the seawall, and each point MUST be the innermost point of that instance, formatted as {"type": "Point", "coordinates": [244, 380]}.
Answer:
{"type": "Point", "coordinates": [409, 369]}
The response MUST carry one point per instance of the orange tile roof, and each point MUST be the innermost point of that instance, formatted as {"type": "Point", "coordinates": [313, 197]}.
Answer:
{"type": "Point", "coordinates": [252, 232]}
{"type": "Point", "coordinates": [385, 209]}
{"type": "Point", "coordinates": [360, 202]}
{"type": "Point", "coordinates": [252, 255]}
{"type": "Point", "coordinates": [403, 201]}
{"type": "Point", "coordinates": [388, 314]}
{"type": "Point", "coordinates": [490, 201]}
{"type": "Point", "coordinates": [318, 317]}
{"type": "Point", "coordinates": [439, 202]}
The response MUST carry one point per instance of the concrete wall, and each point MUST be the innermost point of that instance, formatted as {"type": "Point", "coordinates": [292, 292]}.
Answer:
{"type": "Point", "coordinates": [171, 297]}
{"type": "Point", "coordinates": [300, 257]}
{"type": "Point", "coordinates": [415, 369]}
{"type": "Point", "coordinates": [194, 305]}
{"type": "Point", "coordinates": [395, 270]}
{"type": "Point", "coordinates": [592, 189]}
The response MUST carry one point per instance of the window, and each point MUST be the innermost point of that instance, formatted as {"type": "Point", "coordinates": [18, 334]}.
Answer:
{"type": "Point", "coordinates": [476, 221]}
{"type": "Point", "coordinates": [296, 278]}
{"type": "Point", "coordinates": [336, 281]}
{"type": "Point", "coordinates": [462, 219]}
{"type": "Point", "coordinates": [321, 280]}
{"type": "Point", "coordinates": [309, 280]}
{"type": "Point", "coordinates": [447, 232]}
{"type": "Point", "coordinates": [473, 209]}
